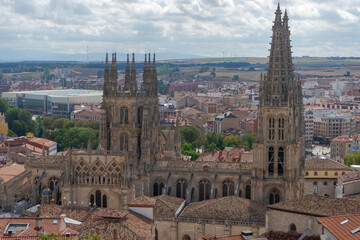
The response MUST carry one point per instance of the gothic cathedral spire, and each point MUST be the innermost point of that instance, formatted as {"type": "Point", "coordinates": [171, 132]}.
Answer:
{"type": "Point", "coordinates": [279, 147]}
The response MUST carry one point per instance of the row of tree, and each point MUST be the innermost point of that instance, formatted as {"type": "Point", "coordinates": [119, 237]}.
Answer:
{"type": "Point", "coordinates": [192, 141]}
{"type": "Point", "coordinates": [65, 132]}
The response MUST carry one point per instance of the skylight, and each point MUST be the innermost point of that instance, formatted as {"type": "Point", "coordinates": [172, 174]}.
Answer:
{"type": "Point", "coordinates": [343, 222]}
{"type": "Point", "coordinates": [355, 230]}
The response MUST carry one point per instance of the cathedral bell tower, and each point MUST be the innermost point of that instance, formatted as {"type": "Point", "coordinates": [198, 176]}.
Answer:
{"type": "Point", "coordinates": [279, 149]}
{"type": "Point", "coordinates": [130, 120]}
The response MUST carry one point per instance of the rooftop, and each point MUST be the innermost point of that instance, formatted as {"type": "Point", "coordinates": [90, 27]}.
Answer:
{"type": "Point", "coordinates": [9, 172]}
{"type": "Point", "coordinates": [324, 164]}
{"type": "Point", "coordinates": [63, 93]}
{"type": "Point", "coordinates": [226, 208]}
{"type": "Point", "coordinates": [320, 206]}
{"type": "Point", "coordinates": [341, 226]}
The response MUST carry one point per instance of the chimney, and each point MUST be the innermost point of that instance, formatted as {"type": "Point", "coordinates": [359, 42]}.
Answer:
{"type": "Point", "coordinates": [38, 223]}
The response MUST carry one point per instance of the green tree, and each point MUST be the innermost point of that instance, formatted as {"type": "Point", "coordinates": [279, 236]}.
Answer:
{"type": "Point", "coordinates": [235, 78]}
{"type": "Point", "coordinates": [190, 134]}
{"type": "Point", "coordinates": [214, 141]}
{"type": "Point", "coordinates": [20, 121]}
{"type": "Point", "coordinates": [60, 123]}
{"type": "Point", "coordinates": [48, 122]}
{"type": "Point", "coordinates": [4, 106]}
{"type": "Point", "coordinates": [353, 159]}
{"type": "Point", "coordinates": [230, 141]}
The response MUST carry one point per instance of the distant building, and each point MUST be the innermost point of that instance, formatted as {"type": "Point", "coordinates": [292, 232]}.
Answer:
{"type": "Point", "coordinates": [3, 125]}
{"type": "Point", "coordinates": [58, 103]}
{"type": "Point", "coordinates": [348, 186]}
{"type": "Point", "coordinates": [225, 121]}
{"type": "Point", "coordinates": [321, 176]}
{"type": "Point", "coordinates": [309, 128]}
{"type": "Point", "coordinates": [331, 126]}
{"type": "Point", "coordinates": [344, 145]}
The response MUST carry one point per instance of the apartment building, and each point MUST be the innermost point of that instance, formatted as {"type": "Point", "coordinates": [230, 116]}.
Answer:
{"type": "Point", "coordinates": [309, 128]}
{"type": "Point", "coordinates": [344, 145]}
{"type": "Point", "coordinates": [329, 127]}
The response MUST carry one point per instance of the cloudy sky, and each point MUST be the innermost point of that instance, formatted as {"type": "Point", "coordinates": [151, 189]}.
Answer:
{"type": "Point", "coordinates": [47, 29]}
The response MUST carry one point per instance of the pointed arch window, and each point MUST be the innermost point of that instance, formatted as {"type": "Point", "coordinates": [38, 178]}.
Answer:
{"type": "Point", "coordinates": [281, 161]}
{"type": "Point", "coordinates": [204, 189]}
{"type": "Point", "coordinates": [271, 128]}
{"type": "Point", "coordinates": [271, 161]}
{"type": "Point", "coordinates": [181, 186]}
{"type": "Point", "coordinates": [92, 199]}
{"type": "Point", "coordinates": [124, 144]}
{"type": "Point", "coordinates": [281, 129]}
{"type": "Point", "coordinates": [228, 188]}
{"type": "Point", "coordinates": [158, 187]}
{"type": "Point", "coordinates": [124, 115]}
{"type": "Point", "coordinates": [274, 196]}
{"type": "Point", "coordinates": [98, 198]}
{"type": "Point", "coordinates": [104, 201]}
{"type": "Point", "coordinates": [52, 183]}
{"type": "Point", "coordinates": [140, 115]}
{"type": "Point", "coordinates": [248, 191]}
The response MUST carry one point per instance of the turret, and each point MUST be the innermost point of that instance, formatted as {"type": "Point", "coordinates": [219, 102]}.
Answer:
{"type": "Point", "coordinates": [106, 76]}
{"type": "Point", "coordinates": [113, 76]}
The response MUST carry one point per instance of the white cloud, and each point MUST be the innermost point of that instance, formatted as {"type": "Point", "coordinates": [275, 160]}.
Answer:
{"type": "Point", "coordinates": [203, 27]}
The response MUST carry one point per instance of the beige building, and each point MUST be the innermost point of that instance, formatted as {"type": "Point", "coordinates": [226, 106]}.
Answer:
{"type": "Point", "coordinates": [329, 127]}
{"type": "Point", "coordinates": [321, 175]}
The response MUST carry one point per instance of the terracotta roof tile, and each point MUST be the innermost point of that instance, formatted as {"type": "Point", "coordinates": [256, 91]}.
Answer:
{"type": "Point", "coordinates": [342, 231]}
{"type": "Point", "coordinates": [227, 208]}
{"type": "Point", "coordinates": [9, 172]}
{"type": "Point", "coordinates": [319, 206]}
{"type": "Point", "coordinates": [324, 164]}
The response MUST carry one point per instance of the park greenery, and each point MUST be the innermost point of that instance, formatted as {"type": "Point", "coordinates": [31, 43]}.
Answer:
{"type": "Point", "coordinates": [353, 159]}
{"type": "Point", "coordinates": [192, 140]}
{"type": "Point", "coordinates": [65, 132]}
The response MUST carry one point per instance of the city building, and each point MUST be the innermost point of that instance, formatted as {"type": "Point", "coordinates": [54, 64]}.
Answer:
{"type": "Point", "coordinates": [58, 103]}
{"type": "Point", "coordinates": [348, 186]}
{"type": "Point", "coordinates": [321, 175]}
{"type": "Point", "coordinates": [329, 127]}
{"type": "Point", "coordinates": [309, 128]}
{"type": "Point", "coordinates": [340, 227]}
{"type": "Point", "coordinates": [344, 145]}
{"type": "Point", "coordinates": [3, 125]}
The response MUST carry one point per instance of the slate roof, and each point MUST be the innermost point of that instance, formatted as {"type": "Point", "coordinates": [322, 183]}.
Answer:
{"type": "Point", "coordinates": [320, 206]}
{"type": "Point", "coordinates": [226, 208]}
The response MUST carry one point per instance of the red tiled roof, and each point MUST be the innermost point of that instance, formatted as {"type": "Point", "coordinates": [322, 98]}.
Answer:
{"type": "Point", "coordinates": [350, 177]}
{"type": "Point", "coordinates": [342, 231]}
{"type": "Point", "coordinates": [320, 206]}
{"type": "Point", "coordinates": [9, 172]}
{"type": "Point", "coordinates": [324, 164]}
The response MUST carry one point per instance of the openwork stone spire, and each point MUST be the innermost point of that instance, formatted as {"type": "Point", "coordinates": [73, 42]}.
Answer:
{"type": "Point", "coordinates": [279, 87]}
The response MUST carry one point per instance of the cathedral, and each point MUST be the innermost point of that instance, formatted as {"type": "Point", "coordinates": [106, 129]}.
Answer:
{"type": "Point", "coordinates": [139, 156]}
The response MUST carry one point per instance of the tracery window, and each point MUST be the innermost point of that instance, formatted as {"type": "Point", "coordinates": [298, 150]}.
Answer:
{"type": "Point", "coordinates": [97, 173]}
{"type": "Point", "coordinates": [274, 196]}
{"type": "Point", "coordinates": [228, 188]}
{"type": "Point", "coordinates": [124, 115]}
{"type": "Point", "coordinates": [204, 189]}
{"type": "Point", "coordinates": [281, 129]}
{"type": "Point", "coordinates": [52, 183]}
{"type": "Point", "coordinates": [271, 128]}
{"type": "Point", "coordinates": [181, 187]}
{"type": "Point", "coordinates": [280, 161]}
{"type": "Point", "coordinates": [124, 144]}
{"type": "Point", "coordinates": [114, 173]}
{"type": "Point", "coordinates": [82, 172]}
{"type": "Point", "coordinates": [158, 187]}
{"type": "Point", "coordinates": [271, 161]}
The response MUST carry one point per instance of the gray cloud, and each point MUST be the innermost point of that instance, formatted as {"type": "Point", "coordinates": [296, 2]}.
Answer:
{"type": "Point", "coordinates": [196, 27]}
